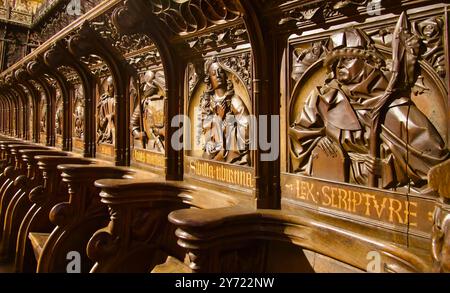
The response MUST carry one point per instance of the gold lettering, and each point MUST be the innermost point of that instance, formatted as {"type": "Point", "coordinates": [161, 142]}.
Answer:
{"type": "Point", "coordinates": [393, 210]}
{"type": "Point", "coordinates": [333, 189]}
{"type": "Point", "coordinates": [377, 207]}
{"type": "Point", "coordinates": [408, 210]}
{"type": "Point", "coordinates": [367, 197]}
{"type": "Point", "coordinates": [211, 172]}
{"type": "Point", "coordinates": [356, 202]}
{"type": "Point", "coordinates": [310, 191]}
{"type": "Point", "coordinates": [303, 190]}
{"type": "Point", "coordinates": [342, 199]}
{"type": "Point", "coordinates": [325, 190]}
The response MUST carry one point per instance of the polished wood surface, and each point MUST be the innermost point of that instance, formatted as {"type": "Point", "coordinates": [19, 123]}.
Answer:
{"type": "Point", "coordinates": [315, 137]}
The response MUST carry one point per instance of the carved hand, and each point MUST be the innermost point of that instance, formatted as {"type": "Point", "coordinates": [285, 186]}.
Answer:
{"type": "Point", "coordinates": [327, 146]}
{"type": "Point", "coordinates": [373, 165]}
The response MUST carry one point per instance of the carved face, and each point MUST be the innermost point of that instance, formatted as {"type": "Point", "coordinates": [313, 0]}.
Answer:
{"type": "Point", "coordinates": [429, 30]}
{"type": "Point", "coordinates": [217, 76]}
{"type": "Point", "coordinates": [348, 69]}
{"type": "Point", "coordinates": [316, 50]}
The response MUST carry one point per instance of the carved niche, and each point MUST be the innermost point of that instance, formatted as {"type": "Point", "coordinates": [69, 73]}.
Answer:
{"type": "Point", "coordinates": [78, 112]}
{"type": "Point", "coordinates": [219, 109]}
{"type": "Point", "coordinates": [368, 108]}
{"type": "Point", "coordinates": [147, 119]}
{"type": "Point", "coordinates": [106, 128]}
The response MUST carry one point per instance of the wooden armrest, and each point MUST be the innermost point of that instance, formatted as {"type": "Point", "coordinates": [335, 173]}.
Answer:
{"type": "Point", "coordinates": [132, 190]}
{"type": "Point", "coordinates": [206, 233]}
{"type": "Point", "coordinates": [138, 220]}
{"type": "Point", "coordinates": [93, 171]}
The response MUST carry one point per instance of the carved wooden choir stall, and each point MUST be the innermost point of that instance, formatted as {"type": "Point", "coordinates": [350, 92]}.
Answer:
{"type": "Point", "coordinates": [226, 136]}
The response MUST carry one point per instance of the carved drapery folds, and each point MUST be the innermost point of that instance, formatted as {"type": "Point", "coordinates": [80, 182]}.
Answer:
{"type": "Point", "coordinates": [147, 120]}
{"type": "Point", "coordinates": [43, 117]}
{"type": "Point", "coordinates": [377, 92]}
{"type": "Point", "coordinates": [78, 115]}
{"type": "Point", "coordinates": [222, 121]}
{"type": "Point", "coordinates": [106, 127]}
{"type": "Point", "coordinates": [59, 119]}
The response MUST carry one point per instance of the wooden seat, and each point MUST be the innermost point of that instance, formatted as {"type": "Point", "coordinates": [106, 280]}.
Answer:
{"type": "Point", "coordinates": [38, 241]}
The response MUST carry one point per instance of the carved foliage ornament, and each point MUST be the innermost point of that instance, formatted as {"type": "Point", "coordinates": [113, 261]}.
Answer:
{"type": "Point", "coordinates": [322, 10]}
{"type": "Point", "coordinates": [125, 43]}
{"type": "Point", "coordinates": [145, 60]}
{"type": "Point", "coordinates": [229, 36]}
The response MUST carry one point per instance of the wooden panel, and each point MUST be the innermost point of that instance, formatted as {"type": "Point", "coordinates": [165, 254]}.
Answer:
{"type": "Point", "coordinates": [384, 208]}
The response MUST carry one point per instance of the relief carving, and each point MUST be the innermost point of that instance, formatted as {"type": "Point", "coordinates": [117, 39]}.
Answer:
{"type": "Point", "coordinates": [147, 120]}
{"type": "Point", "coordinates": [240, 65]}
{"type": "Point", "coordinates": [431, 33]}
{"type": "Point", "coordinates": [223, 130]}
{"type": "Point", "coordinates": [304, 58]}
{"type": "Point", "coordinates": [43, 115]}
{"type": "Point", "coordinates": [106, 113]}
{"type": "Point", "coordinates": [79, 112]}
{"type": "Point", "coordinates": [361, 125]}
{"type": "Point", "coordinates": [59, 113]}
